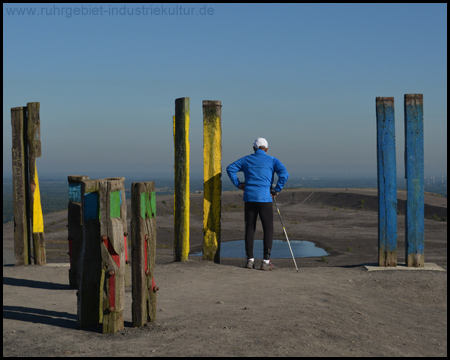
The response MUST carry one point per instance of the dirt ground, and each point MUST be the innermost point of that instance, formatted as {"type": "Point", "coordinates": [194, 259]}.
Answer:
{"type": "Point", "coordinates": [333, 306]}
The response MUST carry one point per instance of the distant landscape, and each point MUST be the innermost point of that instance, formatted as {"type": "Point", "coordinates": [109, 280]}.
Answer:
{"type": "Point", "coordinates": [54, 191]}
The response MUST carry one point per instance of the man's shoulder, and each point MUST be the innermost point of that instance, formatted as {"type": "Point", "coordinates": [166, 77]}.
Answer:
{"type": "Point", "coordinates": [239, 161]}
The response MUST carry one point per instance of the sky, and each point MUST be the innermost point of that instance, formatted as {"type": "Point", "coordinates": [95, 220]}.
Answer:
{"type": "Point", "coordinates": [304, 76]}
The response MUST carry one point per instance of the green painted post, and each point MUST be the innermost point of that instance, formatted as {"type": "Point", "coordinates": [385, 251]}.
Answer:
{"type": "Point", "coordinates": [414, 163]}
{"type": "Point", "coordinates": [123, 216]}
{"type": "Point", "coordinates": [143, 245]}
{"type": "Point", "coordinates": [212, 179]}
{"type": "Point", "coordinates": [387, 182]}
{"type": "Point", "coordinates": [181, 196]}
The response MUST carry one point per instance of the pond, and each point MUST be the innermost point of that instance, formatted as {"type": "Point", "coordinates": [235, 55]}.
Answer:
{"type": "Point", "coordinates": [280, 249]}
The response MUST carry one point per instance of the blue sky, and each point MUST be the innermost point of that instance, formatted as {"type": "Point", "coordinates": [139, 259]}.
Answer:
{"type": "Point", "coordinates": [304, 76]}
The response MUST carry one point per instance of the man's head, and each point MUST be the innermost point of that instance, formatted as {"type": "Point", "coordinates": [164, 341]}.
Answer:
{"type": "Point", "coordinates": [261, 143]}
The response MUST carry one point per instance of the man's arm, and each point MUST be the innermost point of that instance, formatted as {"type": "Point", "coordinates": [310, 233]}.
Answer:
{"type": "Point", "coordinates": [232, 171]}
{"type": "Point", "coordinates": [282, 173]}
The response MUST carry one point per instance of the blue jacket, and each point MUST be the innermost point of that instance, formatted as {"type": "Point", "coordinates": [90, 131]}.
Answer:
{"type": "Point", "coordinates": [258, 169]}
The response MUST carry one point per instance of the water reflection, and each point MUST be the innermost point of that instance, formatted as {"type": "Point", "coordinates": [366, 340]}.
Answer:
{"type": "Point", "coordinates": [280, 249]}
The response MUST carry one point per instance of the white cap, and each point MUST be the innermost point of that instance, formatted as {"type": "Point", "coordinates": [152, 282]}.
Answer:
{"type": "Point", "coordinates": [260, 142]}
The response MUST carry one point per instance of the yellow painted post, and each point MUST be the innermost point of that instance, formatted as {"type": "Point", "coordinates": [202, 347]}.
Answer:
{"type": "Point", "coordinates": [34, 151]}
{"type": "Point", "coordinates": [38, 225]}
{"type": "Point", "coordinates": [212, 179]}
{"type": "Point", "coordinates": [181, 211]}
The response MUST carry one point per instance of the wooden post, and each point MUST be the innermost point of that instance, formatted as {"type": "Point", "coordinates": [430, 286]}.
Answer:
{"type": "Point", "coordinates": [74, 226]}
{"type": "Point", "coordinates": [143, 252]}
{"type": "Point", "coordinates": [19, 173]}
{"type": "Point", "coordinates": [212, 179]}
{"type": "Point", "coordinates": [181, 211]}
{"type": "Point", "coordinates": [414, 163]}
{"type": "Point", "coordinates": [101, 290]}
{"type": "Point", "coordinates": [112, 292]}
{"type": "Point", "coordinates": [123, 216]}
{"type": "Point", "coordinates": [387, 182]}
{"type": "Point", "coordinates": [34, 151]}
{"type": "Point", "coordinates": [90, 259]}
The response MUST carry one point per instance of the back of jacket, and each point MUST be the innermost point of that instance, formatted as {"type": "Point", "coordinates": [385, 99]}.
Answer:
{"type": "Point", "coordinates": [258, 169]}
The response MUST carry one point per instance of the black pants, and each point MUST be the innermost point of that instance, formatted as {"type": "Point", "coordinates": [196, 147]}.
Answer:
{"type": "Point", "coordinates": [265, 211]}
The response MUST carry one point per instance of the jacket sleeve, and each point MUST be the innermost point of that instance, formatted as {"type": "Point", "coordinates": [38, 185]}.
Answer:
{"type": "Point", "coordinates": [282, 173]}
{"type": "Point", "coordinates": [233, 169]}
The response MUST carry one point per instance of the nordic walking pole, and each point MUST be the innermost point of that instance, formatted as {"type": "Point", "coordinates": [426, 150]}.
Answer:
{"type": "Point", "coordinates": [285, 233]}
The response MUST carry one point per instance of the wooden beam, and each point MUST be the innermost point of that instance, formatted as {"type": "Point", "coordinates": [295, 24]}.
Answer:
{"type": "Point", "coordinates": [34, 151]}
{"type": "Point", "coordinates": [74, 226]}
{"type": "Point", "coordinates": [123, 216]}
{"type": "Point", "coordinates": [212, 179]}
{"type": "Point", "coordinates": [143, 245]}
{"type": "Point", "coordinates": [182, 192]}
{"type": "Point", "coordinates": [19, 173]}
{"type": "Point", "coordinates": [112, 289]}
{"type": "Point", "coordinates": [387, 182]}
{"type": "Point", "coordinates": [414, 162]}
{"type": "Point", "coordinates": [90, 269]}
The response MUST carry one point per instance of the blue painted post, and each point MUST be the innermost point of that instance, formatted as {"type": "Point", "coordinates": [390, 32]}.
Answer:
{"type": "Point", "coordinates": [74, 226]}
{"type": "Point", "coordinates": [414, 166]}
{"type": "Point", "coordinates": [387, 182]}
{"type": "Point", "coordinates": [90, 258]}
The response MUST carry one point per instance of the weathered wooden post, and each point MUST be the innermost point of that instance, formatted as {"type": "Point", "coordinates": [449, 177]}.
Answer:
{"type": "Point", "coordinates": [182, 192]}
{"type": "Point", "coordinates": [34, 151]}
{"type": "Point", "coordinates": [387, 182]}
{"type": "Point", "coordinates": [19, 175]}
{"type": "Point", "coordinates": [90, 259]}
{"type": "Point", "coordinates": [414, 166]}
{"type": "Point", "coordinates": [101, 290]}
{"type": "Point", "coordinates": [212, 179]}
{"type": "Point", "coordinates": [143, 252]}
{"type": "Point", "coordinates": [74, 226]}
{"type": "Point", "coordinates": [123, 216]}
{"type": "Point", "coordinates": [28, 219]}
{"type": "Point", "coordinates": [112, 254]}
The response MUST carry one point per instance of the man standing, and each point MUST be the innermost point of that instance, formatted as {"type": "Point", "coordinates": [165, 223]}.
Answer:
{"type": "Point", "coordinates": [258, 169]}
